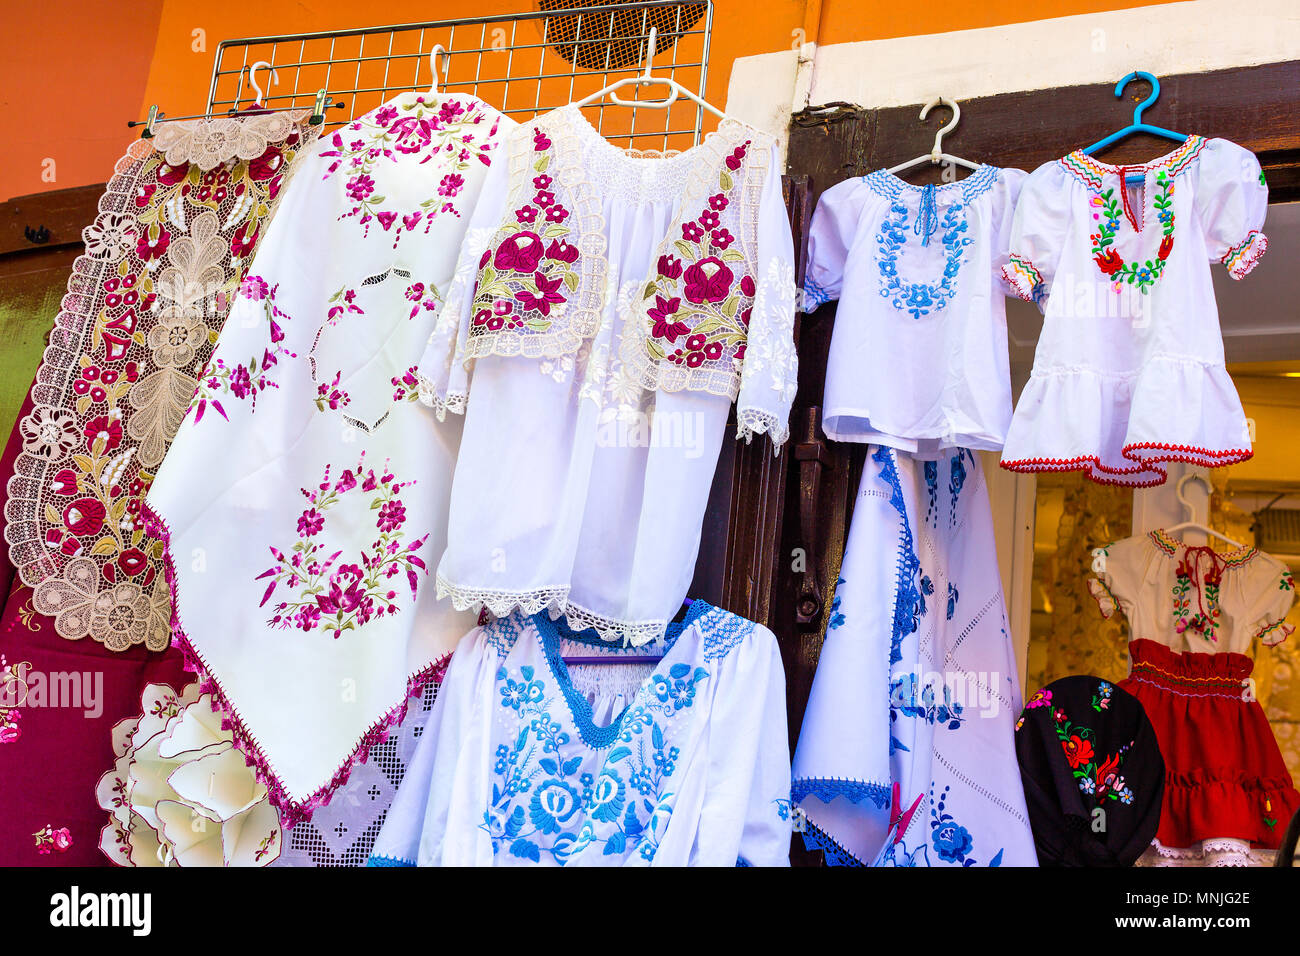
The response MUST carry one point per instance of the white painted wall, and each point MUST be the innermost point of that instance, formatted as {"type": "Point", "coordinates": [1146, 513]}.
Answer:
{"type": "Point", "coordinates": [1167, 39]}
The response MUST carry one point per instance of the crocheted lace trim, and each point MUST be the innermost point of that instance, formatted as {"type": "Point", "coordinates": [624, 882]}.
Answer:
{"type": "Point", "coordinates": [555, 601]}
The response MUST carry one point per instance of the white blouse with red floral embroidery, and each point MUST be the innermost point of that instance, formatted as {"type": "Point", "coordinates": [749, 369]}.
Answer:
{"type": "Point", "coordinates": [304, 501]}
{"type": "Point", "coordinates": [1129, 370]}
{"type": "Point", "coordinates": [609, 307]}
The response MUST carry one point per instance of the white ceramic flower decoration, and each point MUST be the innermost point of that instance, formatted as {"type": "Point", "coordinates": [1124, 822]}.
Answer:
{"type": "Point", "coordinates": [180, 793]}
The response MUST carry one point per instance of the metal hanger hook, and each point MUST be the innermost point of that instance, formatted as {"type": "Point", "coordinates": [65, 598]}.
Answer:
{"type": "Point", "coordinates": [1155, 92]}
{"type": "Point", "coordinates": [439, 52]}
{"type": "Point", "coordinates": [252, 78]}
{"type": "Point", "coordinates": [937, 153]}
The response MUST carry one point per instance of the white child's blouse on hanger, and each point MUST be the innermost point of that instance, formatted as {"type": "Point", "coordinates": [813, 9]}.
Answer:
{"type": "Point", "coordinates": [1129, 371]}
{"type": "Point", "coordinates": [918, 358]}
{"type": "Point", "coordinates": [609, 307]}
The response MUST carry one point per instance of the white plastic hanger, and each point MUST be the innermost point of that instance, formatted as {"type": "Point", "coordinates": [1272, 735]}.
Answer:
{"type": "Point", "coordinates": [675, 89]}
{"type": "Point", "coordinates": [252, 79]}
{"type": "Point", "coordinates": [1193, 525]}
{"type": "Point", "coordinates": [936, 156]}
{"type": "Point", "coordinates": [439, 52]}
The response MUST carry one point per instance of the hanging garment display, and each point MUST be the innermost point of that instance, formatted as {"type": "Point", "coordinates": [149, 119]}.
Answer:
{"type": "Point", "coordinates": [918, 273]}
{"type": "Point", "coordinates": [916, 687]}
{"type": "Point", "coordinates": [610, 306]}
{"type": "Point", "coordinates": [684, 762]}
{"type": "Point", "coordinates": [1092, 772]}
{"type": "Point", "coordinates": [1194, 615]}
{"type": "Point", "coordinates": [1129, 368]}
{"type": "Point", "coordinates": [176, 228]}
{"type": "Point", "coordinates": [305, 495]}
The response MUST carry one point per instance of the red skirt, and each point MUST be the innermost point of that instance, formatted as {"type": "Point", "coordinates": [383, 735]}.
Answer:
{"type": "Point", "coordinates": [1224, 773]}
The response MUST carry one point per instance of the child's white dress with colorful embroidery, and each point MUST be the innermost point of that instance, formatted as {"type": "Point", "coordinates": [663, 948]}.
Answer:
{"type": "Point", "coordinates": [608, 309]}
{"type": "Point", "coordinates": [1194, 616]}
{"type": "Point", "coordinates": [907, 753]}
{"type": "Point", "coordinates": [305, 497]}
{"type": "Point", "coordinates": [917, 271]}
{"type": "Point", "coordinates": [1129, 370]}
{"type": "Point", "coordinates": [683, 762]}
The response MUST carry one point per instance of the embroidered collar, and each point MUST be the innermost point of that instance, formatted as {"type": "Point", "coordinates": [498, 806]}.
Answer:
{"type": "Point", "coordinates": [1091, 171]}
{"type": "Point", "coordinates": [551, 633]}
{"type": "Point", "coordinates": [980, 181]}
{"type": "Point", "coordinates": [915, 297]}
{"type": "Point", "coordinates": [1171, 546]}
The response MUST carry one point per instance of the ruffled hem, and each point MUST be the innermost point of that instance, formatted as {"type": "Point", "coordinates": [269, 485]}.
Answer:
{"type": "Point", "coordinates": [1081, 419]}
{"type": "Point", "coordinates": [1225, 804]}
{"type": "Point", "coordinates": [1224, 851]}
{"type": "Point", "coordinates": [291, 811]}
{"type": "Point", "coordinates": [1244, 256]}
{"type": "Point", "coordinates": [389, 861]}
{"type": "Point", "coordinates": [1275, 633]}
{"type": "Point", "coordinates": [555, 601]}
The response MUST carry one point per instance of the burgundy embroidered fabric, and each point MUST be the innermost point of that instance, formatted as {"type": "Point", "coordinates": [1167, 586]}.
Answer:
{"type": "Point", "coordinates": [52, 756]}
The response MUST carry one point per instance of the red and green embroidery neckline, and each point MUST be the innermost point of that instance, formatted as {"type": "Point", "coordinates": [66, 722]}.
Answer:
{"type": "Point", "coordinates": [1171, 546]}
{"type": "Point", "coordinates": [1108, 209]}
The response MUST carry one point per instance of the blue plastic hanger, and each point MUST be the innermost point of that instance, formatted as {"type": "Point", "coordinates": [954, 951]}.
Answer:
{"type": "Point", "coordinates": [1137, 126]}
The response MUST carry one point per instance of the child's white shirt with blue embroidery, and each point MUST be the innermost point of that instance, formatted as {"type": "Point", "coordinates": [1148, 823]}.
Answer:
{"type": "Point", "coordinates": [684, 762]}
{"type": "Point", "coordinates": [917, 272]}
{"type": "Point", "coordinates": [1129, 369]}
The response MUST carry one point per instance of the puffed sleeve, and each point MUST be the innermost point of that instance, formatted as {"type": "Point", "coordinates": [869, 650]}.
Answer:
{"type": "Point", "coordinates": [1274, 594]}
{"type": "Point", "coordinates": [1118, 570]}
{"type": "Point", "coordinates": [444, 380]}
{"type": "Point", "coordinates": [746, 819]}
{"type": "Point", "coordinates": [1010, 184]}
{"type": "Point", "coordinates": [834, 223]}
{"type": "Point", "coordinates": [1038, 231]}
{"type": "Point", "coordinates": [1231, 200]}
{"type": "Point", "coordinates": [769, 375]}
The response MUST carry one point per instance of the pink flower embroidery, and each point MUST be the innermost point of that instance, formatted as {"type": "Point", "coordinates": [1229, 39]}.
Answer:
{"type": "Point", "coordinates": [692, 232]}
{"type": "Point", "coordinates": [561, 251]}
{"type": "Point", "coordinates": [747, 285]}
{"type": "Point", "coordinates": [557, 213]}
{"type": "Point", "coordinates": [708, 280]}
{"type": "Point", "coordinates": [664, 327]}
{"type": "Point", "coordinates": [310, 522]}
{"type": "Point", "coordinates": [718, 202]}
{"type": "Point", "coordinates": [540, 142]}
{"type": "Point", "coordinates": [526, 215]}
{"type": "Point", "coordinates": [722, 238]}
{"type": "Point", "coordinates": [670, 267]}
{"type": "Point", "coordinates": [451, 184]}
{"type": "Point", "coordinates": [520, 252]}
{"type": "Point", "coordinates": [548, 294]}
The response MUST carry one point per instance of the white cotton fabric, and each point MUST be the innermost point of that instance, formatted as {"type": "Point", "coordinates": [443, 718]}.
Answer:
{"type": "Point", "coordinates": [916, 692]}
{"type": "Point", "coordinates": [1129, 370]}
{"type": "Point", "coordinates": [689, 765]}
{"type": "Point", "coordinates": [585, 468]}
{"type": "Point", "coordinates": [925, 292]}
{"type": "Point", "coordinates": [338, 303]}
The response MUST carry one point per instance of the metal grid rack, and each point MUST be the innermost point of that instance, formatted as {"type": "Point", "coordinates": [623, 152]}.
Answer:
{"type": "Point", "coordinates": [523, 64]}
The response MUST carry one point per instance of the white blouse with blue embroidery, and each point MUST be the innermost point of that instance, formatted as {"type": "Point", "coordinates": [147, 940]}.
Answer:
{"type": "Point", "coordinates": [684, 762]}
{"type": "Point", "coordinates": [917, 272]}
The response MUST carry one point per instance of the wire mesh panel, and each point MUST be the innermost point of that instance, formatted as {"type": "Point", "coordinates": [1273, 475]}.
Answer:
{"type": "Point", "coordinates": [522, 64]}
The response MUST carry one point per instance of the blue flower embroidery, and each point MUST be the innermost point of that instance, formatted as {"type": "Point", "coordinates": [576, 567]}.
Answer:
{"type": "Point", "coordinates": [920, 298]}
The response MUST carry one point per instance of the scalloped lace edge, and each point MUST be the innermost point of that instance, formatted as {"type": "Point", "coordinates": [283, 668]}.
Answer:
{"type": "Point", "coordinates": [555, 601]}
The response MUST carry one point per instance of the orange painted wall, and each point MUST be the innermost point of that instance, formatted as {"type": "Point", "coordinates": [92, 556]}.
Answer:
{"type": "Point", "coordinates": [71, 73]}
